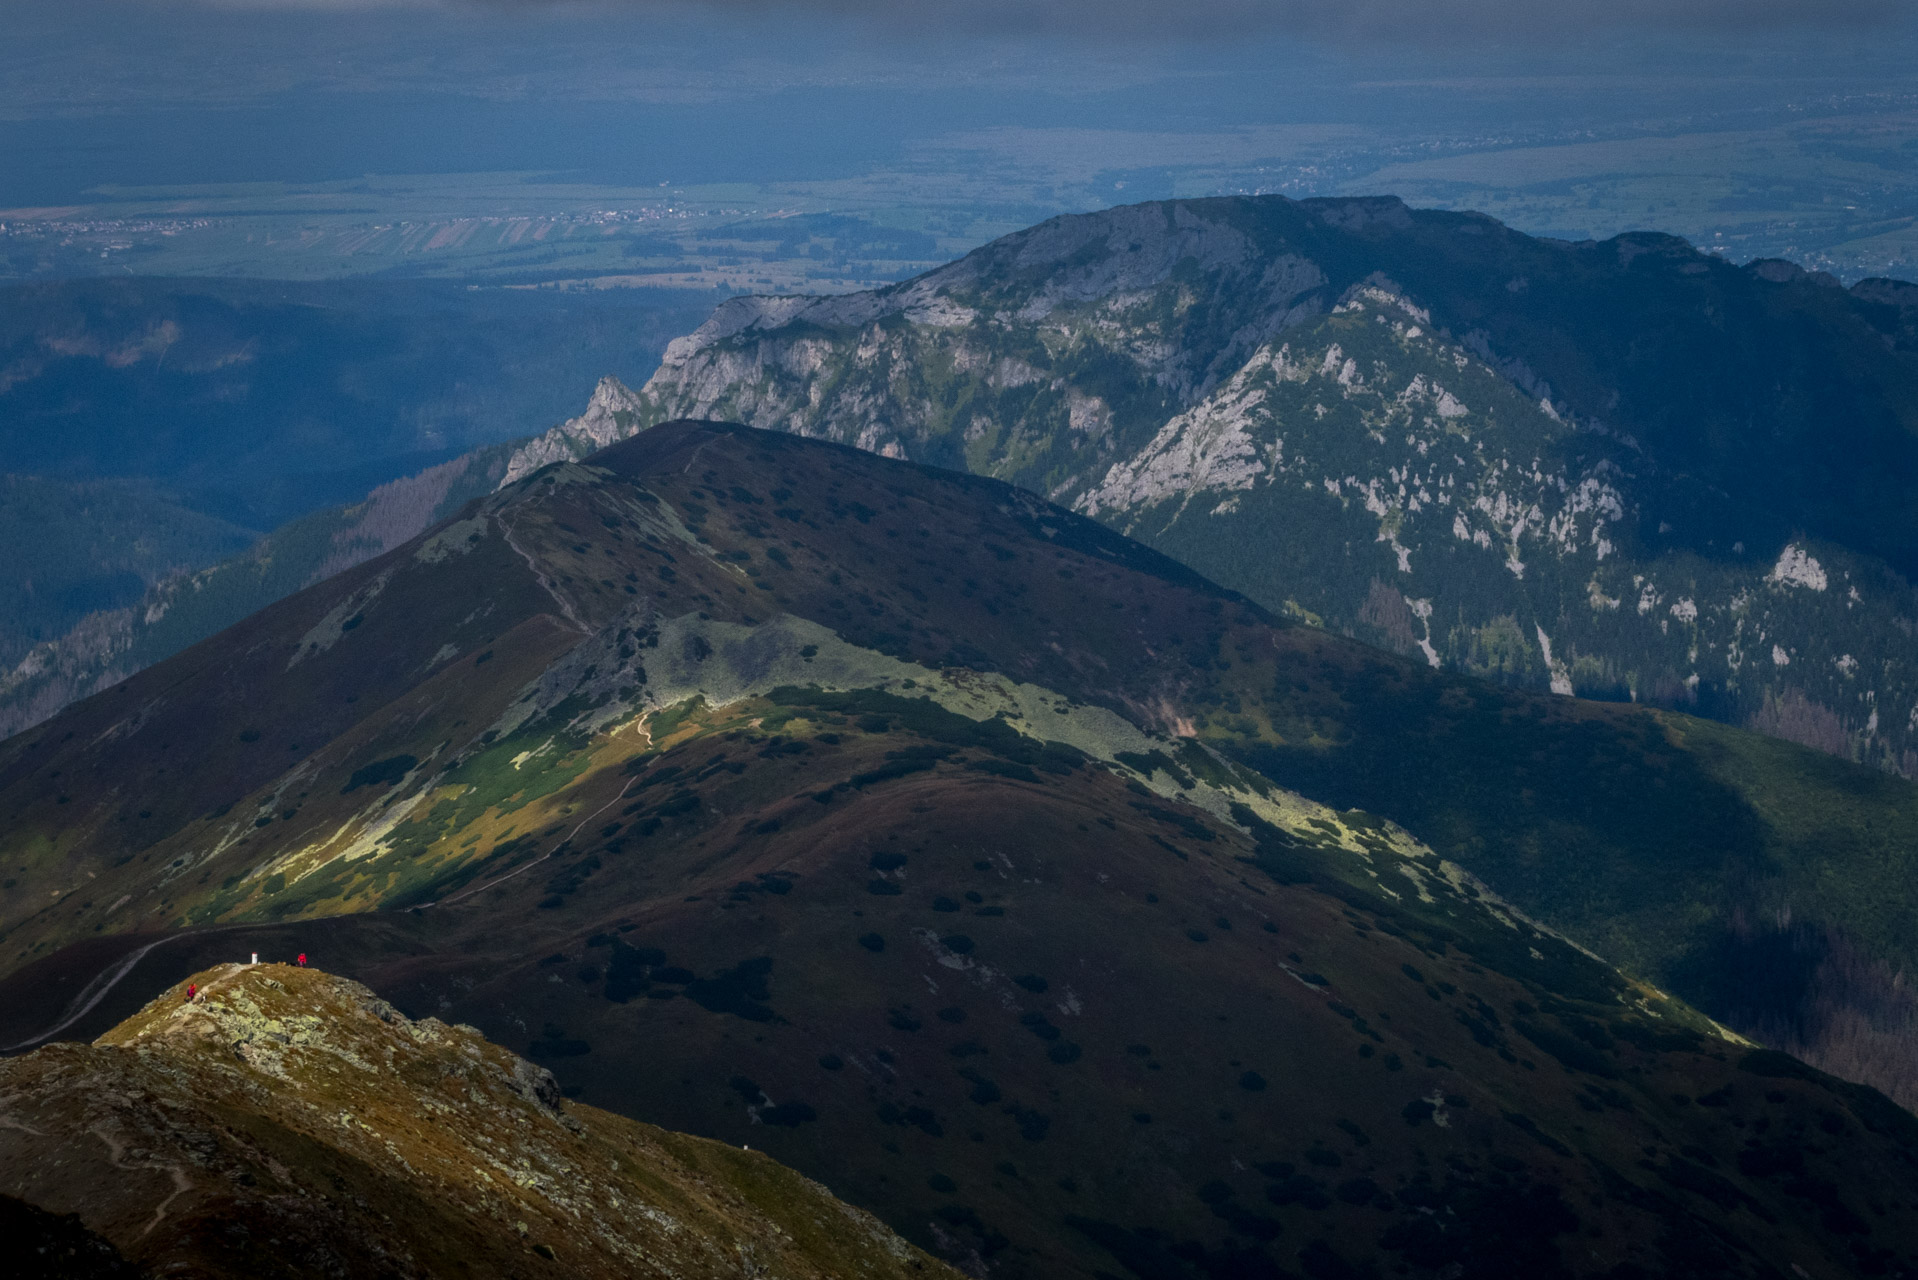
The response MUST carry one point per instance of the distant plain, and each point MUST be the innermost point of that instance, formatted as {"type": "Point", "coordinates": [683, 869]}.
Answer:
{"type": "Point", "coordinates": [805, 160]}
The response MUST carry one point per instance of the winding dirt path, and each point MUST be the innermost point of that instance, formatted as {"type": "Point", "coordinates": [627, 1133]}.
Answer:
{"type": "Point", "coordinates": [594, 816]}
{"type": "Point", "coordinates": [116, 1155]}
{"type": "Point", "coordinates": [103, 984]}
{"type": "Point", "coordinates": [90, 995]}
{"type": "Point", "coordinates": [546, 583]}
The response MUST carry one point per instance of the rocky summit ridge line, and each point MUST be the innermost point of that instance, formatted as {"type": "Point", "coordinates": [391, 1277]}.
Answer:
{"type": "Point", "coordinates": [286, 1122]}
{"type": "Point", "coordinates": [1071, 913]}
{"type": "Point", "coordinates": [1623, 469]}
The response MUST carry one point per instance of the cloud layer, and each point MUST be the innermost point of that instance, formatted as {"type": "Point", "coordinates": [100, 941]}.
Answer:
{"type": "Point", "coordinates": [1222, 19]}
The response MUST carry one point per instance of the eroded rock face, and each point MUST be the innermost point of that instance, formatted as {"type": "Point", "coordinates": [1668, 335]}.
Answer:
{"type": "Point", "coordinates": [289, 1120]}
{"type": "Point", "coordinates": [609, 416]}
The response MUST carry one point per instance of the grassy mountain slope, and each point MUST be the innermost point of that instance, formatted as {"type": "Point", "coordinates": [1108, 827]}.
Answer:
{"type": "Point", "coordinates": [183, 609]}
{"type": "Point", "coordinates": [290, 1123]}
{"type": "Point", "coordinates": [1109, 1058]}
{"type": "Point", "coordinates": [1627, 470]}
{"type": "Point", "coordinates": [979, 862]}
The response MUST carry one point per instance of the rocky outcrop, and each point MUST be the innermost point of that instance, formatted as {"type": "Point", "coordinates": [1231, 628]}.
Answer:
{"type": "Point", "coordinates": [612, 414]}
{"type": "Point", "coordinates": [283, 1121]}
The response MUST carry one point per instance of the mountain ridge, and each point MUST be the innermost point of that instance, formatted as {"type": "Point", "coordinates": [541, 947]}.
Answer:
{"type": "Point", "coordinates": [1061, 907]}
{"type": "Point", "coordinates": [1104, 346]}
{"type": "Point", "coordinates": [1740, 632]}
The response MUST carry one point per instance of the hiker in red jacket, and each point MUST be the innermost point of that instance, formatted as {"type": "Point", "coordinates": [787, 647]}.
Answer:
{"type": "Point", "coordinates": [302, 959]}
{"type": "Point", "coordinates": [192, 989]}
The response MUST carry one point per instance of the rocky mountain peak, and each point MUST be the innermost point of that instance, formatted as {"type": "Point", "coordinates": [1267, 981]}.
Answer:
{"type": "Point", "coordinates": [612, 414]}
{"type": "Point", "coordinates": [286, 1104]}
{"type": "Point", "coordinates": [293, 1022]}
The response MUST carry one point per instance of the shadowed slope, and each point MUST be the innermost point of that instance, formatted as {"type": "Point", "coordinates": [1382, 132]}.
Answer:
{"type": "Point", "coordinates": [1043, 1018]}
{"type": "Point", "coordinates": [279, 768]}
{"type": "Point", "coordinates": [50, 1246]}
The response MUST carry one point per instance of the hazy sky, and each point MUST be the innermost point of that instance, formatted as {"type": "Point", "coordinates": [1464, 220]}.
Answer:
{"type": "Point", "coordinates": [148, 92]}
{"type": "Point", "coordinates": [65, 56]}
{"type": "Point", "coordinates": [207, 47]}
{"type": "Point", "coordinates": [1093, 19]}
